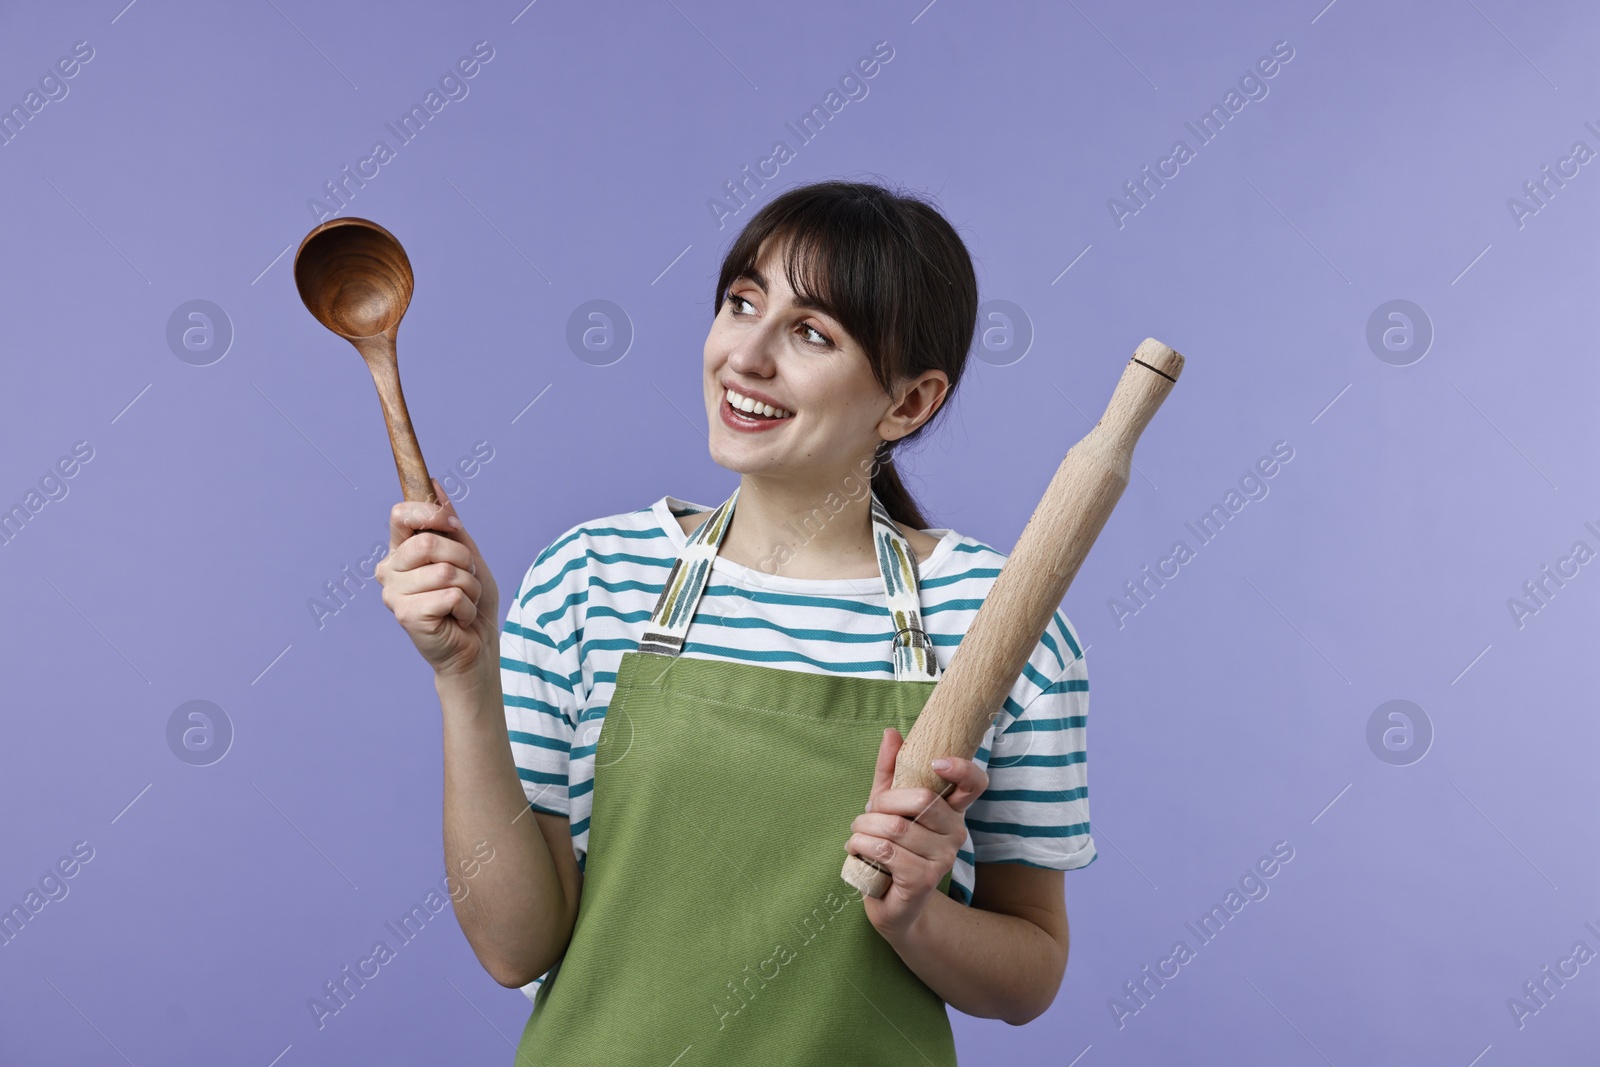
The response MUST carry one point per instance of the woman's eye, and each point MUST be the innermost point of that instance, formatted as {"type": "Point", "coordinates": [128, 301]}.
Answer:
{"type": "Point", "coordinates": [811, 335]}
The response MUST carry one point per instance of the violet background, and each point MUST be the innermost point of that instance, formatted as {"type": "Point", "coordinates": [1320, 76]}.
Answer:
{"type": "Point", "coordinates": [1228, 714]}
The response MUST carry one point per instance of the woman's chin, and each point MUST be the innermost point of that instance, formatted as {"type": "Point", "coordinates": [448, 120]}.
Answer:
{"type": "Point", "coordinates": [740, 455]}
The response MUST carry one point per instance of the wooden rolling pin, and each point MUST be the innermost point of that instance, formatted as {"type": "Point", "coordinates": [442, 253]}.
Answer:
{"type": "Point", "coordinates": [1029, 588]}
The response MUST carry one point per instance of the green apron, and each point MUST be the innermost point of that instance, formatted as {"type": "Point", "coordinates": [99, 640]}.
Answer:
{"type": "Point", "coordinates": [713, 926]}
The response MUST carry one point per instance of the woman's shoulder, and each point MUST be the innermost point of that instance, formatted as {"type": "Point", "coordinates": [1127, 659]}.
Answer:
{"type": "Point", "coordinates": [635, 537]}
{"type": "Point", "coordinates": [960, 581]}
{"type": "Point", "coordinates": [958, 554]}
{"type": "Point", "coordinates": [922, 544]}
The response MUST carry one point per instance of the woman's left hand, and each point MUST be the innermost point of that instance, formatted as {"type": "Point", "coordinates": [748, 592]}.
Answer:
{"type": "Point", "coordinates": [917, 854]}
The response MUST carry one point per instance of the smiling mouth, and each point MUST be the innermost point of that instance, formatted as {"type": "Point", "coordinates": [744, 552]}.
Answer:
{"type": "Point", "coordinates": [750, 408]}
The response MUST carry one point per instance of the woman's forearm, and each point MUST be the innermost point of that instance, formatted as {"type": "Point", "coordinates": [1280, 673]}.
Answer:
{"type": "Point", "coordinates": [983, 963]}
{"type": "Point", "coordinates": [516, 911]}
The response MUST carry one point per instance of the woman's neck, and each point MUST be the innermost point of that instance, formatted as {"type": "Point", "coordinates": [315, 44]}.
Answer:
{"type": "Point", "coordinates": [802, 531]}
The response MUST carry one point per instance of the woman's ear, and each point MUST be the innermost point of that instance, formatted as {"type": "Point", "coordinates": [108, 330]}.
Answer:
{"type": "Point", "coordinates": [919, 399]}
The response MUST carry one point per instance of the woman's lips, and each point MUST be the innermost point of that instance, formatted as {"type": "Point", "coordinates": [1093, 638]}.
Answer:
{"type": "Point", "coordinates": [738, 420]}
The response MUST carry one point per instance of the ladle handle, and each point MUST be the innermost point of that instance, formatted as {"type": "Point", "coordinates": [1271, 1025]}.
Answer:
{"type": "Point", "coordinates": [379, 353]}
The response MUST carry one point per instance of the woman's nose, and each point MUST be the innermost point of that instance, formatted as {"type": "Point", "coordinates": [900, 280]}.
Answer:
{"type": "Point", "coordinates": [754, 353]}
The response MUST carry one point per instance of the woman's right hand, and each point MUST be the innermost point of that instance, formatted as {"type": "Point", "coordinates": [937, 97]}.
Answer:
{"type": "Point", "coordinates": [439, 587]}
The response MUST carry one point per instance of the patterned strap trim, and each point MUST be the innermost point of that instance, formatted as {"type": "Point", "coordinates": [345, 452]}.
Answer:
{"type": "Point", "coordinates": [912, 652]}
{"type": "Point", "coordinates": [897, 564]}
{"type": "Point", "coordinates": [680, 594]}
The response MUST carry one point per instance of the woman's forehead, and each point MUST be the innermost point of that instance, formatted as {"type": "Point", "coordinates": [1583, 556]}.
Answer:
{"type": "Point", "coordinates": [760, 279]}
{"type": "Point", "coordinates": [770, 269]}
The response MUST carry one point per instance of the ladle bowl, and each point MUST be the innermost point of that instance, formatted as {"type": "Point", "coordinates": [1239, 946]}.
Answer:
{"type": "Point", "coordinates": [355, 279]}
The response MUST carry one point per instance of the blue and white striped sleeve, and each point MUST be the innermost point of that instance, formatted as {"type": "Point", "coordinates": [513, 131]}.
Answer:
{"type": "Point", "coordinates": [540, 673]}
{"type": "Point", "coordinates": [1036, 809]}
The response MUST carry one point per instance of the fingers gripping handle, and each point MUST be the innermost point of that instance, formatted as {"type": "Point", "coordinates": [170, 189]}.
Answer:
{"type": "Point", "coordinates": [1029, 588]}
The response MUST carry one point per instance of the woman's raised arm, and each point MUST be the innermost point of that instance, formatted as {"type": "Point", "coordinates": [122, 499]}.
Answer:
{"type": "Point", "coordinates": [519, 906]}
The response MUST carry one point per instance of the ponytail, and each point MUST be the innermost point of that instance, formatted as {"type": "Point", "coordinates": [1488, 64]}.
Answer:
{"type": "Point", "coordinates": [896, 499]}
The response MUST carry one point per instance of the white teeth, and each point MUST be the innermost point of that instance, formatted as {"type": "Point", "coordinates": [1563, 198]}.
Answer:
{"type": "Point", "coordinates": [749, 404]}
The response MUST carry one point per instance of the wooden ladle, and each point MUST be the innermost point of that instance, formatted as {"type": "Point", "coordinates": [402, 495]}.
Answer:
{"type": "Point", "coordinates": [356, 280]}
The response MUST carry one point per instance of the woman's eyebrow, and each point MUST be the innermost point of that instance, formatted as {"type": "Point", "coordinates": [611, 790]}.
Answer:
{"type": "Point", "coordinates": [760, 281]}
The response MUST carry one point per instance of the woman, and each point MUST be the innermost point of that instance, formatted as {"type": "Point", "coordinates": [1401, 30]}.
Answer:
{"type": "Point", "coordinates": [692, 704]}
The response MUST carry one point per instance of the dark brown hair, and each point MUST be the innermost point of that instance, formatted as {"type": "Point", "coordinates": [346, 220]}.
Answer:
{"type": "Point", "coordinates": [892, 271]}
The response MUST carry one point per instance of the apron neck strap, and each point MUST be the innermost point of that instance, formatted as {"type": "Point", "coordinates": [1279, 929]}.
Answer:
{"type": "Point", "coordinates": [911, 650]}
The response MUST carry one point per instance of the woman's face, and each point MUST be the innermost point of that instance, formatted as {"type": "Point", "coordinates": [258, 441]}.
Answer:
{"type": "Point", "coordinates": [766, 347]}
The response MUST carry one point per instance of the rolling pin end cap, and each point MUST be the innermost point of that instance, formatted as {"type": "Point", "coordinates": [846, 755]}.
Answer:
{"type": "Point", "coordinates": [869, 879]}
{"type": "Point", "coordinates": [1159, 357]}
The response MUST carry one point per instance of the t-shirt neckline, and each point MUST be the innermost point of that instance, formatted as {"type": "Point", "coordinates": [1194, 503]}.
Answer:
{"type": "Point", "coordinates": [750, 577]}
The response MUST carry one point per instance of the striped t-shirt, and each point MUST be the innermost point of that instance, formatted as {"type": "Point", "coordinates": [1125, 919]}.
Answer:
{"type": "Point", "coordinates": [587, 598]}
